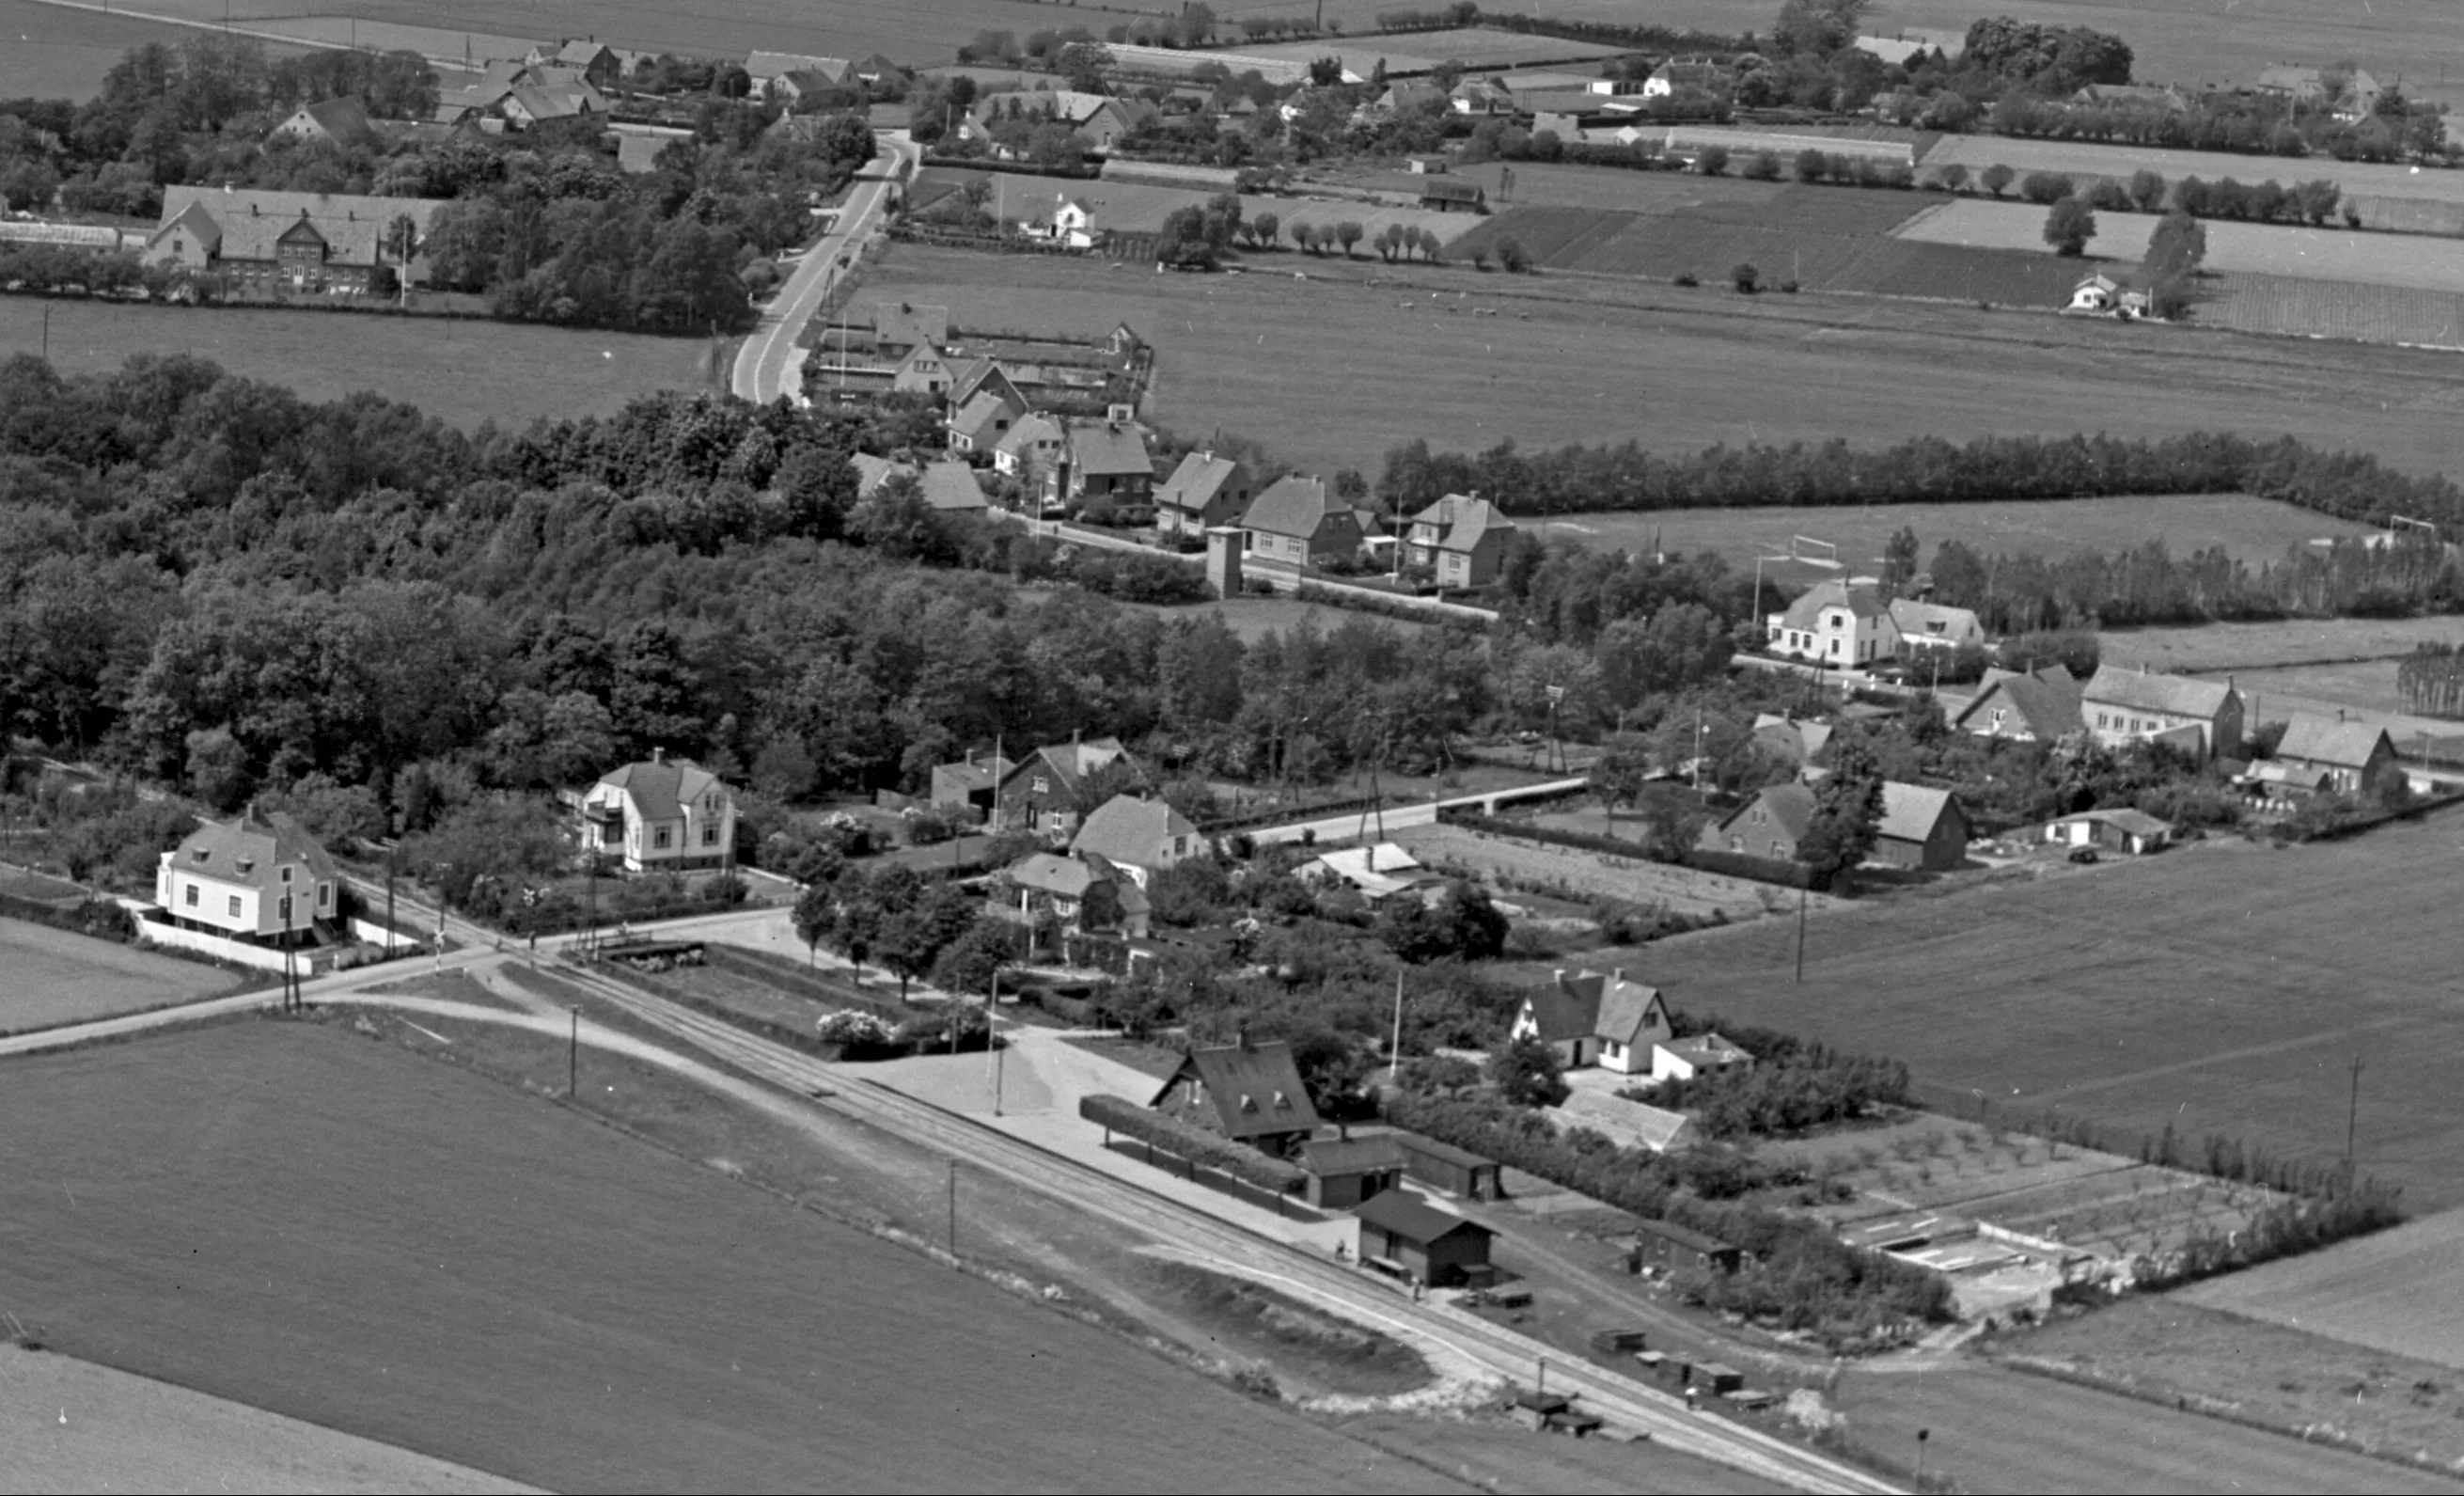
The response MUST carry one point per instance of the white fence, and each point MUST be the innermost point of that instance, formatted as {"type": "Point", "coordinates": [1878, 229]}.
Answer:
{"type": "Point", "coordinates": [307, 962]}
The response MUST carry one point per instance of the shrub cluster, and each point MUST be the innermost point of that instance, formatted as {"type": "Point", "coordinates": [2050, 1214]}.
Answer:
{"type": "Point", "coordinates": [1788, 1089]}
{"type": "Point", "coordinates": [1192, 1145]}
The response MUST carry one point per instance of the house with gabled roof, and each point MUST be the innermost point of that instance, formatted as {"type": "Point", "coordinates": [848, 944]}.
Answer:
{"type": "Point", "coordinates": [807, 88]}
{"type": "Point", "coordinates": [660, 815]}
{"type": "Point", "coordinates": [595, 60]}
{"type": "Point", "coordinates": [1068, 895]}
{"type": "Point", "coordinates": [2131, 832]}
{"type": "Point", "coordinates": [1203, 492]}
{"type": "Point", "coordinates": [1463, 538]}
{"type": "Point", "coordinates": [1922, 827]}
{"type": "Point", "coordinates": [1138, 834]}
{"type": "Point", "coordinates": [1453, 194]}
{"type": "Point", "coordinates": [1032, 450]}
{"type": "Point", "coordinates": [766, 68]}
{"type": "Point", "coordinates": [924, 371]}
{"type": "Point", "coordinates": [259, 878]}
{"type": "Point", "coordinates": [338, 122]}
{"type": "Point", "coordinates": [1107, 464]}
{"type": "Point", "coordinates": [951, 488]}
{"type": "Point", "coordinates": [1795, 742]}
{"type": "Point", "coordinates": [1345, 1170]}
{"type": "Point", "coordinates": [2201, 717]}
{"type": "Point", "coordinates": [1409, 1237]}
{"type": "Point", "coordinates": [299, 241]}
{"type": "Point", "coordinates": [540, 104]}
{"type": "Point", "coordinates": [1923, 625]}
{"type": "Point", "coordinates": [898, 327]}
{"type": "Point", "coordinates": [1042, 792]}
{"type": "Point", "coordinates": [2349, 755]}
{"type": "Point", "coordinates": [1295, 522]}
{"type": "Point", "coordinates": [2039, 706]}
{"type": "Point", "coordinates": [1250, 1090]}
{"type": "Point", "coordinates": [1768, 824]}
{"type": "Point", "coordinates": [1633, 1018]}
{"type": "Point", "coordinates": [1840, 625]}
{"type": "Point", "coordinates": [1564, 1014]}
{"type": "Point", "coordinates": [977, 424]}
{"type": "Point", "coordinates": [970, 783]}
{"type": "Point", "coordinates": [982, 375]}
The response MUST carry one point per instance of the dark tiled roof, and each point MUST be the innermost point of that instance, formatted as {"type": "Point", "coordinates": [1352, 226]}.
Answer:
{"type": "Point", "coordinates": [2319, 739]}
{"type": "Point", "coordinates": [1372, 1155]}
{"type": "Point", "coordinates": [1407, 1215]}
{"type": "Point", "coordinates": [2180, 696]}
{"type": "Point", "coordinates": [248, 850]}
{"type": "Point", "coordinates": [1255, 1088]}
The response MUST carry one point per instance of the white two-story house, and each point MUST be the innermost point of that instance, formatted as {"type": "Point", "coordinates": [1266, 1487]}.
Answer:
{"type": "Point", "coordinates": [258, 878]}
{"type": "Point", "coordinates": [1835, 624]}
{"type": "Point", "coordinates": [661, 815]}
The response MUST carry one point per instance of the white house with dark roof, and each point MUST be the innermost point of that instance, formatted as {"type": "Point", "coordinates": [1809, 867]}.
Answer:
{"type": "Point", "coordinates": [1932, 625]}
{"type": "Point", "coordinates": [662, 815]}
{"type": "Point", "coordinates": [1203, 492]}
{"type": "Point", "coordinates": [1836, 623]}
{"type": "Point", "coordinates": [1633, 1019]}
{"type": "Point", "coordinates": [2202, 717]}
{"type": "Point", "coordinates": [339, 122]}
{"type": "Point", "coordinates": [255, 878]}
{"type": "Point", "coordinates": [1462, 537]}
{"type": "Point", "coordinates": [1140, 836]}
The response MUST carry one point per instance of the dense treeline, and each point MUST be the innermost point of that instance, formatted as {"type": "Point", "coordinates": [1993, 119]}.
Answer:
{"type": "Point", "coordinates": [2430, 681]}
{"type": "Point", "coordinates": [2148, 584]}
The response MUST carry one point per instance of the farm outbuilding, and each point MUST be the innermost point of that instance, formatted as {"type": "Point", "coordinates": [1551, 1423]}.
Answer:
{"type": "Point", "coordinates": [1408, 1236]}
{"type": "Point", "coordinates": [1665, 1244]}
{"type": "Point", "coordinates": [1442, 1166]}
{"type": "Point", "coordinates": [1345, 1170]}
{"type": "Point", "coordinates": [2132, 832]}
{"type": "Point", "coordinates": [1448, 194]}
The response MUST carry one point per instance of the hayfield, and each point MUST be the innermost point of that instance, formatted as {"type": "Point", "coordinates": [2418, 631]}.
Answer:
{"type": "Point", "coordinates": [1329, 373]}
{"type": "Point", "coordinates": [2273, 249]}
{"type": "Point", "coordinates": [2221, 989]}
{"type": "Point", "coordinates": [55, 976]}
{"type": "Point", "coordinates": [460, 371]}
{"type": "Point", "coordinates": [2254, 529]}
{"type": "Point", "coordinates": [52, 52]}
{"type": "Point", "coordinates": [909, 32]}
{"type": "Point", "coordinates": [2286, 642]}
{"type": "Point", "coordinates": [1406, 53]}
{"type": "Point", "coordinates": [2400, 1292]}
{"type": "Point", "coordinates": [2305, 308]}
{"type": "Point", "coordinates": [465, 1270]}
{"type": "Point", "coordinates": [1549, 185]}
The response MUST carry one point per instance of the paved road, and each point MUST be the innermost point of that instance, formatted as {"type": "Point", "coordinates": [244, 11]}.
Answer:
{"type": "Point", "coordinates": [766, 365]}
{"type": "Point", "coordinates": [1349, 826]}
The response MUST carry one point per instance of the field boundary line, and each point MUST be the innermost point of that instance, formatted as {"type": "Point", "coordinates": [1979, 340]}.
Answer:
{"type": "Point", "coordinates": [280, 38]}
{"type": "Point", "coordinates": [2213, 1408]}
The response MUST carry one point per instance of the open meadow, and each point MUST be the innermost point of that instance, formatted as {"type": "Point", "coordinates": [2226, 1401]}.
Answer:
{"type": "Point", "coordinates": [1251, 617]}
{"type": "Point", "coordinates": [2254, 529]}
{"type": "Point", "coordinates": [1140, 208]}
{"type": "Point", "coordinates": [2386, 184]}
{"type": "Point", "coordinates": [1409, 53]}
{"type": "Point", "coordinates": [56, 52]}
{"type": "Point", "coordinates": [459, 370]}
{"type": "Point", "coordinates": [468, 1271]}
{"type": "Point", "coordinates": [2414, 261]}
{"type": "Point", "coordinates": [1330, 372]}
{"type": "Point", "coordinates": [51, 977]}
{"type": "Point", "coordinates": [2222, 988]}
{"type": "Point", "coordinates": [2400, 1292]}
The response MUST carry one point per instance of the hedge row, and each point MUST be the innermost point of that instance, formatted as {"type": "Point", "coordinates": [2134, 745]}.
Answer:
{"type": "Point", "coordinates": [102, 918]}
{"type": "Point", "coordinates": [1736, 864]}
{"type": "Point", "coordinates": [1192, 1145]}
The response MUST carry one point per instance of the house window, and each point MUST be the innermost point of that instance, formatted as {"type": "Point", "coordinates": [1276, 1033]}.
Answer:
{"type": "Point", "coordinates": [192, 895]}
{"type": "Point", "coordinates": [325, 896]}
{"type": "Point", "coordinates": [198, 855]}
{"type": "Point", "coordinates": [659, 838]}
{"type": "Point", "coordinates": [709, 836]}
{"type": "Point", "coordinates": [1043, 786]}
{"type": "Point", "coordinates": [283, 909]}
{"type": "Point", "coordinates": [1999, 716]}
{"type": "Point", "coordinates": [1779, 849]}
{"type": "Point", "coordinates": [235, 906]}
{"type": "Point", "coordinates": [286, 875]}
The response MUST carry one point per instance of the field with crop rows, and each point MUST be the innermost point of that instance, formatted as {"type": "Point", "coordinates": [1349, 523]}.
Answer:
{"type": "Point", "coordinates": [2188, 989]}
{"type": "Point", "coordinates": [52, 52]}
{"type": "Point", "coordinates": [527, 1293]}
{"type": "Point", "coordinates": [1420, 51]}
{"type": "Point", "coordinates": [2408, 261]}
{"type": "Point", "coordinates": [2367, 180]}
{"type": "Point", "coordinates": [2332, 309]}
{"type": "Point", "coordinates": [1329, 373]}
{"type": "Point", "coordinates": [2254, 529]}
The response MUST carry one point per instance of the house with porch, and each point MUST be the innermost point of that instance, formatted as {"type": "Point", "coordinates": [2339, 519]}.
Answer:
{"type": "Point", "coordinates": [660, 815]}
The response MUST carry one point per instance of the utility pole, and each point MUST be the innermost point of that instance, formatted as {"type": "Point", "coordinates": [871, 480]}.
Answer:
{"type": "Point", "coordinates": [954, 1212]}
{"type": "Point", "coordinates": [573, 1057]}
{"type": "Point", "coordinates": [1800, 933]}
{"type": "Point", "coordinates": [1394, 1053]}
{"type": "Point", "coordinates": [2352, 1121]}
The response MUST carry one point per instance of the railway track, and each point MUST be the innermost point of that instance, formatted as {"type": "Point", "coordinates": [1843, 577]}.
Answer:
{"type": "Point", "coordinates": [1623, 1403]}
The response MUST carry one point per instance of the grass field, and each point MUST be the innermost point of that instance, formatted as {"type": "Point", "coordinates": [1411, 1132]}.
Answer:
{"type": "Point", "coordinates": [2170, 1347]}
{"type": "Point", "coordinates": [1545, 185]}
{"type": "Point", "coordinates": [2302, 308]}
{"type": "Point", "coordinates": [2385, 259]}
{"type": "Point", "coordinates": [518, 1290]}
{"type": "Point", "coordinates": [2254, 529]}
{"type": "Point", "coordinates": [2187, 989]}
{"type": "Point", "coordinates": [1420, 51]}
{"type": "Point", "coordinates": [2387, 185]}
{"type": "Point", "coordinates": [54, 978]}
{"type": "Point", "coordinates": [1328, 374]}
{"type": "Point", "coordinates": [2400, 1292]}
{"type": "Point", "coordinates": [464, 372]}
{"type": "Point", "coordinates": [53, 51]}
{"type": "Point", "coordinates": [1138, 208]}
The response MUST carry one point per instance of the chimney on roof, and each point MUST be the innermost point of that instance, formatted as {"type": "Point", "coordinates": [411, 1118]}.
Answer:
{"type": "Point", "coordinates": [658, 755]}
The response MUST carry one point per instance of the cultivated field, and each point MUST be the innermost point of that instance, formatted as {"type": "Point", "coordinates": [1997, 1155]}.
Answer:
{"type": "Point", "coordinates": [52, 52]}
{"type": "Point", "coordinates": [53, 977]}
{"type": "Point", "coordinates": [2254, 529]}
{"type": "Point", "coordinates": [1518, 867]}
{"type": "Point", "coordinates": [1421, 52]}
{"type": "Point", "coordinates": [460, 371]}
{"type": "Point", "coordinates": [916, 34]}
{"type": "Point", "coordinates": [2303, 308]}
{"type": "Point", "coordinates": [1546, 185]}
{"type": "Point", "coordinates": [2403, 260]}
{"type": "Point", "coordinates": [2366, 181]}
{"type": "Point", "coordinates": [2223, 988]}
{"type": "Point", "coordinates": [2167, 1346]}
{"type": "Point", "coordinates": [131, 1432]}
{"type": "Point", "coordinates": [2400, 1292]}
{"type": "Point", "coordinates": [2291, 641]}
{"type": "Point", "coordinates": [1137, 208]}
{"type": "Point", "coordinates": [520, 1291]}
{"type": "Point", "coordinates": [1330, 373]}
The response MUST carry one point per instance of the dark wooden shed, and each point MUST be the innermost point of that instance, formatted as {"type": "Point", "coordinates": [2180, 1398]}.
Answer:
{"type": "Point", "coordinates": [1442, 1166]}
{"type": "Point", "coordinates": [1667, 1244]}
{"type": "Point", "coordinates": [1421, 1242]}
{"type": "Point", "coordinates": [1345, 1170]}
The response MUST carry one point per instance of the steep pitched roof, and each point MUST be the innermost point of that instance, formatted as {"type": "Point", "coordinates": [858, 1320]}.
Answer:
{"type": "Point", "coordinates": [2180, 696]}
{"type": "Point", "coordinates": [560, 101]}
{"type": "Point", "coordinates": [2319, 740]}
{"type": "Point", "coordinates": [980, 414]}
{"type": "Point", "coordinates": [1294, 506]}
{"type": "Point", "coordinates": [1109, 448]}
{"type": "Point", "coordinates": [1052, 873]}
{"type": "Point", "coordinates": [1806, 612]}
{"type": "Point", "coordinates": [192, 219]}
{"type": "Point", "coordinates": [761, 66]}
{"type": "Point", "coordinates": [1255, 1088]}
{"type": "Point", "coordinates": [1197, 481]}
{"type": "Point", "coordinates": [1790, 807]}
{"type": "Point", "coordinates": [1413, 1218]}
{"type": "Point", "coordinates": [951, 488]}
{"type": "Point", "coordinates": [1910, 812]}
{"type": "Point", "coordinates": [1567, 1008]}
{"type": "Point", "coordinates": [1028, 431]}
{"type": "Point", "coordinates": [984, 375]}
{"type": "Point", "coordinates": [250, 221]}
{"type": "Point", "coordinates": [249, 849]}
{"type": "Point", "coordinates": [871, 472]}
{"type": "Point", "coordinates": [1129, 831]}
{"type": "Point", "coordinates": [1461, 519]}
{"type": "Point", "coordinates": [1626, 1007]}
{"type": "Point", "coordinates": [1933, 620]}
{"type": "Point", "coordinates": [345, 120]}
{"type": "Point", "coordinates": [660, 788]}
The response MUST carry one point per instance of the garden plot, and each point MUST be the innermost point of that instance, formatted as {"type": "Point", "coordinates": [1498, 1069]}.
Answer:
{"type": "Point", "coordinates": [1519, 867]}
